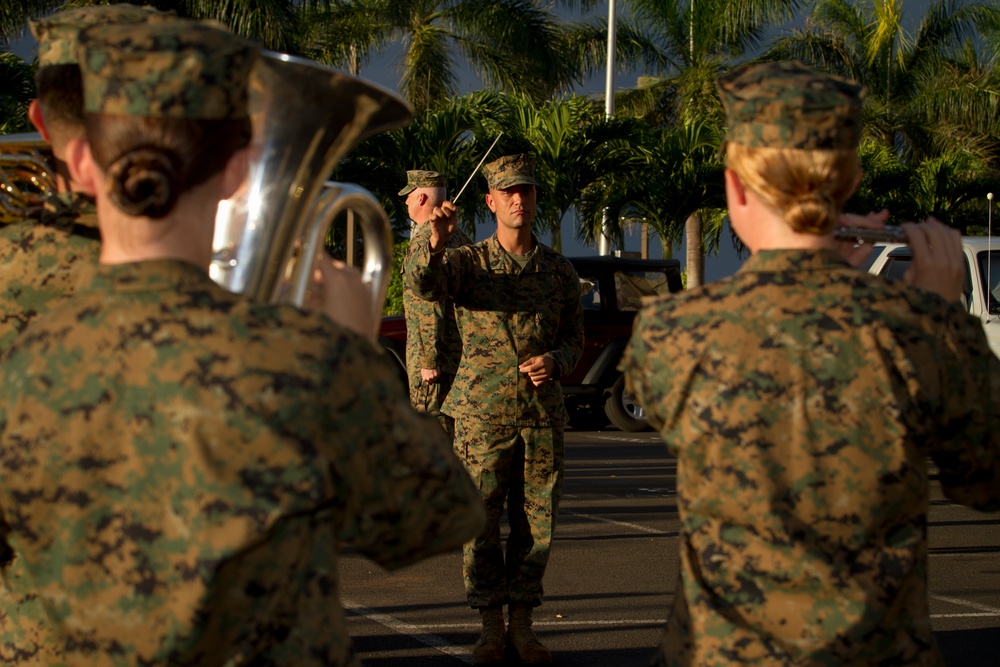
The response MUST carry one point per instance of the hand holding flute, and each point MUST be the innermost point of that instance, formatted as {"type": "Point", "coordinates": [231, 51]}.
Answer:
{"type": "Point", "coordinates": [938, 262]}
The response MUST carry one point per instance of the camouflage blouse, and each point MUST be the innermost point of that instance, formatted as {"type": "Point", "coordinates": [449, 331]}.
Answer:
{"type": "Point", "coordinates": [179, 465]}
{"type": "Point", "coordinates": [506, 315]}
{"type": "Point", "coordinates": [432, 337]}
{"type": "Point", "coordinates": [802, 399]}
{"type": "Point", "coordinates": [39, 259]}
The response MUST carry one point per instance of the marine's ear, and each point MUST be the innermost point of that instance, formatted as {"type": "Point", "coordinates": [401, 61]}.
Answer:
{"type": "Point", "coordinates": [37, 119]}
{"type": "Point", "coordinates": [81, 165]}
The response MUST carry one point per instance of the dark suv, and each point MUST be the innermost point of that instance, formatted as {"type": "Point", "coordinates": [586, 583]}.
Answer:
{"type": "Point", "coordinates": [612, 291]}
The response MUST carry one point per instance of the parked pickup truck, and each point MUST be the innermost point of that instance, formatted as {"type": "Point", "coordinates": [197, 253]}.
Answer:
{"type": "Point", "coordinates": [981, 294]}
{"type": "Point", "coordinates": [612, 289]}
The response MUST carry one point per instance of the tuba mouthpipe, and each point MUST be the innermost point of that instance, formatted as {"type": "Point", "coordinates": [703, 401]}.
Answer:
{"type": "Point", "coordinates": [336, 199]}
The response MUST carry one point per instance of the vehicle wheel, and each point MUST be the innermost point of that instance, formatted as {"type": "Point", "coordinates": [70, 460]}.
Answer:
{"type": "Point", "coordinates": [623, 411]}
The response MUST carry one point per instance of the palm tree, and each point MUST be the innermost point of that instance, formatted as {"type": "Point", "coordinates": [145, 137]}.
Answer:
{"type": "Point", "coordinates": [673, 174]}
{"type": "Point", "coordinates": [277, 24]}
{"type": "Point", "coordinates": [923, 91]}
{"type": "Point", "coordinates": [450, 139]}
{"type": "Point", "coordinates": [512, 45]}
{"type": "Point", "coordinates": [689, 43]}
{"type": "Point", "coordinates": [572, 142]}
{"type": "Point", "coordinates": [17, 81]}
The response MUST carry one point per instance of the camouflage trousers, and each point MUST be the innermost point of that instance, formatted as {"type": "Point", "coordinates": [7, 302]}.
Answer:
{"type": "Point", "coordinates": [428, 397]}
{"type": "Point", "coordinates": [522, 465]}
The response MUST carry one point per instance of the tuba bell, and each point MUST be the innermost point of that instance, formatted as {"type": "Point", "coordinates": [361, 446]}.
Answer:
{"type": "Point", "coordinates": [26, 176]}
{"type": "Point", "coordinates": [305, 118]}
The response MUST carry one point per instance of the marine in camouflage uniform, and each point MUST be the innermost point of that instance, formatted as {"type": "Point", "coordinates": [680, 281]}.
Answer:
{"type": "Point", "coordinates": [432, 338]}
{"type": "Point", "coordinates": [39, 254]}
{"type": "Point", "coordinates": [39, 260]}
{"type": "Point", "coordinates": [802, 398]}
{"type": "Point", "coordinates": [508, 430]}
{"type": "Point", "coordinates": [179, 462]}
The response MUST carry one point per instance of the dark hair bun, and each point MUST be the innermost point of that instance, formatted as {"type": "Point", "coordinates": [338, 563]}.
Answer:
{"type": "Point", "coordinates": [144, 182]}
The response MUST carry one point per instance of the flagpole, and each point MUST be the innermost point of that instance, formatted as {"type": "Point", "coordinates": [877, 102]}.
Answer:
{"type": "Point", "coordinates": [604, 243]}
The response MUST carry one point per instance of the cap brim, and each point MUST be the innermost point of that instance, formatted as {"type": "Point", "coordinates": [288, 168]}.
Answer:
{"type": "Point", "coordinates": [511, 181]}
{"type": "Point", "coordinates": [407, 190]}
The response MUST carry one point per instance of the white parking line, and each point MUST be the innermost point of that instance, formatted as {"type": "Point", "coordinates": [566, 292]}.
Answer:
{"type": "Point", "coordinates": [412, 631]}
{"type": "Point", "coordinates": [536, 623]}
{"type": "Point", "coordinates": [990, 611]}
{"type": "Point", "coordinates": [614, 438]}
{"type": "Point", "coordinates": [625, 524]}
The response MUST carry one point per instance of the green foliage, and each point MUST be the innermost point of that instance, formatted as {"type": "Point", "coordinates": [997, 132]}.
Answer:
{"type": "Point", "coordinates": [394, 296]}
{"type": "Point", "coordinates": [512, 45]}
{"type": "Point", "coordinates": [17, 88]}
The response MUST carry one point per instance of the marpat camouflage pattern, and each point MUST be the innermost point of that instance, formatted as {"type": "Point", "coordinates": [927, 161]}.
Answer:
{"type": "Point", "coordinates": [40, 256]}
{"type": "Point", "coordinates": [171, 69]}
{"type": "Point", "coordinates": [506, 315]}
{"type": "Point", "coordinates": [802, 398]}
{"type": "Point", "coordinates": [788, 105]}
{"type": "Point", "coordinates": [432, 337]}
{"type": "Point", "coordinates": [58, 34]}
{"type": "Point", "coordinates": [179, 464]}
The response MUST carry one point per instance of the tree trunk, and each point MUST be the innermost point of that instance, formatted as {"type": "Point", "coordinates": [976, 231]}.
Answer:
{"type": "Point", "coordinates": [695, 251]}
{"type": "Point", "coordinates": [354, 67]}
{"type": "Point", "coordinates": [556, 236]}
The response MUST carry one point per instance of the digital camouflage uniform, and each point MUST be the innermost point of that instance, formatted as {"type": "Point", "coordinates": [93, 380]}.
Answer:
{"type": "Point", "coordinates": [432, 337]}
{"type": "Point", "coordinates": [186, 461]}
{"type": "Point", "coordinates": [39, 259]}
{"type": "Point", "coordinates": [802, 398]}
{"type": "Point", "coordinates": [509, 432]}
{"type": "Point", "coordinates": [180, 463]}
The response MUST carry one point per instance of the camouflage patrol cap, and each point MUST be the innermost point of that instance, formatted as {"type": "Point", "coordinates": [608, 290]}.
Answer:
{"type": "Point", "coordinates": [421, 178]}
{"type": "Point", "coordinates": [168, 69]}
{"type": "Point", "coordinates": [57, 34]}
{"type": "Point", "coordinates": [788, 105]}
{"type": "Point", "coordinates": [510, 170]}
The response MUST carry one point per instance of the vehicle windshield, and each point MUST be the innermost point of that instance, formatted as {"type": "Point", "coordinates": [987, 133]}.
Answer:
{"type": "Point", "coordinates": [633, 287]}
{"type": "Point", "coordinates": [989, 271]}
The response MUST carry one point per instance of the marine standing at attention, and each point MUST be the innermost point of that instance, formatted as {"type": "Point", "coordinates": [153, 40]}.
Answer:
{"type": "Point", "coordinates": [180, 462]}
{"type": "Point", "coordinates": [521, 320]}
{"type": "Point", "coordinates": [39, 255]}
{"type": "Point", "coordinates": [433, 343]}
{"type": "Point", "coordinates": [802, 399]}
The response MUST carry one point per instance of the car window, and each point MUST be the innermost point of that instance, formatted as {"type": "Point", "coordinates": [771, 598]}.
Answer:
{"type": "Point", "coordinates": [989, 273]}
{"type": "Point", "coordinates": [896, 266]}
{"type": "Point", "coordinates": [633, 286]}
{"type": "Point", "coordinates": [590, 293]}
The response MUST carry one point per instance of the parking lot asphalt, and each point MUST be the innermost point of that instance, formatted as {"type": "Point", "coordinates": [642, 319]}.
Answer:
{"type": "Point", "coordinates": [613, 568]}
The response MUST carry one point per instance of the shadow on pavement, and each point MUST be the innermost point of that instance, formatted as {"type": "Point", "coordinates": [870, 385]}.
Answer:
{"type": "Point", "coordinates": [969, 648]}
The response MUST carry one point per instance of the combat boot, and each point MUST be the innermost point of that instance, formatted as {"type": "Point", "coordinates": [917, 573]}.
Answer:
{"type": "Point", "coordinates": [489, 649]}
{"type": "Point", "coordinates": [522, 638]}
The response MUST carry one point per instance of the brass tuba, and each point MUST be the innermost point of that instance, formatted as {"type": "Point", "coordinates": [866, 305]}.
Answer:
{"type": "Point", "coordinates": [306, 117]}
{"type": "Point", "coordinates": [26, 176]}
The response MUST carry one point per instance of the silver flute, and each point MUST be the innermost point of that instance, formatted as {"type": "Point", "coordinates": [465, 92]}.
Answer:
{"type": "Point", "coordinates": [860, 235]}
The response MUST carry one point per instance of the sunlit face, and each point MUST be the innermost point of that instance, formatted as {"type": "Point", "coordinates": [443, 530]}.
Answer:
{"type": "Point", "coordinates": [514, 206]}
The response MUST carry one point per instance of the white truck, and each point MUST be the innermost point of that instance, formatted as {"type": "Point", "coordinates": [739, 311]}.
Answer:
{"type": "Point", "coordinates": [981, 294]}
